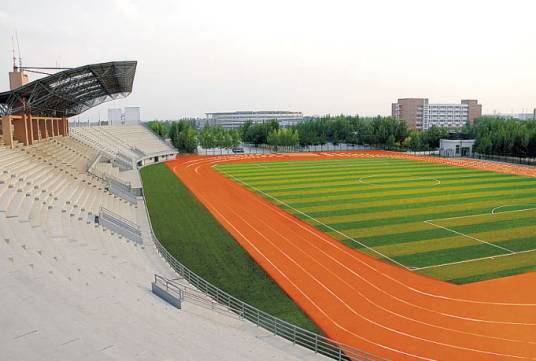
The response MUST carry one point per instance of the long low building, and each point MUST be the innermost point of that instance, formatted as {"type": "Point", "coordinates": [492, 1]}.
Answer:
{"type": "Point", "coordinates": [233, 120]}
{"type": "Point", "coordinates": [419, 114]}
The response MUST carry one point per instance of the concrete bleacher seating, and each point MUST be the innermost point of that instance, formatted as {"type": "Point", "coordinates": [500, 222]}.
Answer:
{"type": "Point", "coordinates": [74, 290]}
{"type": "Point", "coordinates": [133, 143]}
{"type": "Point", "coordinates": [119, 151]}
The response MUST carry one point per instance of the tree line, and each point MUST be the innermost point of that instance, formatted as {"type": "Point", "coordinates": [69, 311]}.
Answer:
{"type": "Point", "coordinates": [493, 135]}
{"type": "Point", "coordinates": [379, 132]}
{"type": "Point", "coordinates": [342, 129]}
{"type": "Point", "coordinates": [508, 137]}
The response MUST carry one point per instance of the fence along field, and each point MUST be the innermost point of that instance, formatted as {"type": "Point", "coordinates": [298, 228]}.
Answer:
{"type": "Point", "coordinates": [455, 224]}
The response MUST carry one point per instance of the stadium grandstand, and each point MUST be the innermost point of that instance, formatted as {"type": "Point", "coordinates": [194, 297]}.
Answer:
{"type": "Point", "coordinates": [78, 255]}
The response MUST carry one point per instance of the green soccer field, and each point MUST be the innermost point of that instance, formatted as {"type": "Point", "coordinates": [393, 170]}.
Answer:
{"type": "Point", "coordinates": [455, 224]}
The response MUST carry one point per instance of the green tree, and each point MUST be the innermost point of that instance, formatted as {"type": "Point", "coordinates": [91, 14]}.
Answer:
{"type": "Point", "coordinates": [510, 137]}
{"type": "Point", "coordinates": [206, 138]}
{"type": "Point", "coordinates": [160, 128]}
{"type": "Point", "coordinates": [183, 136]}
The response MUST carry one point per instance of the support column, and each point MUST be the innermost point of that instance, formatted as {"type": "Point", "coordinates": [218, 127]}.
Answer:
{"type": "Point", "coordinates": [57, 129]}
{"type": "Point", "coordinates": [42, 129]}
{"type": "Point", "coordinates": [61, 126]}
{"type": "Point", "coordinates": [65, 122]}
{"type": "Point", "coordinates": [7, 131]}
{"type": "Point", "coordinates": [48, 128]}
{"type": "Point", "coordinates": [29, 129]}
{"type": "Point", "coordinates": [35, 129]}
{"type": "Point", "coordinates": [23, 123]}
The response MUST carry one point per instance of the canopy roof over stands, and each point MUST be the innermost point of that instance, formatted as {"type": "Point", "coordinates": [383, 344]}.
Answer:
{"type": "Point", "coordinates": [71, 92]}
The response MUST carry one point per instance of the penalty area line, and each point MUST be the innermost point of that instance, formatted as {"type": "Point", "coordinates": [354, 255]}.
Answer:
{"type": "Point", "coordinates": [473, 260]}
{"type": "Point", "coordinates": [317, 221]}
{"type": "Point", "coordinates": [468, 236]}
{"type": "Point", "coordinates": [493, 211]}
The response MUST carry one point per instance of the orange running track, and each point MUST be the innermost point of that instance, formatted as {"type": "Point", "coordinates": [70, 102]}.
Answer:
{"type": "Point", "coordinates": [363, 302]}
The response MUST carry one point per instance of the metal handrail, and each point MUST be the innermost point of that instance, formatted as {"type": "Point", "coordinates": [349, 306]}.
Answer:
{"type": "Point", "coordinates": [297, 335]}
{"type": "Point", "coordinates": [128, 223]}
{"type": "Point", "coordinates": [169, 286]}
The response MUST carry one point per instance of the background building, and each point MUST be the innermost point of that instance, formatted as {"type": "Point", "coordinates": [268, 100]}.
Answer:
{"type": "Point", "coordinates": [132, 114]}
{"type": "Point", "coordinates": [128, 115]}
{"type": "Point", "coordinates": [419, 114]}
{"type": "Point", "coordinates": [518, 116]}
{"type": "Point", "coordinates": [232, 120]}
{"type": "Point", "coordinates": [114, 115]}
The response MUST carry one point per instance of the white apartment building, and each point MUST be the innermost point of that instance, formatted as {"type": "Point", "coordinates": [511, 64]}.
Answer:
{"type": "Point", "coordinates": [233, 120]}
{"type": "Point", "coordinates": [452, 116]}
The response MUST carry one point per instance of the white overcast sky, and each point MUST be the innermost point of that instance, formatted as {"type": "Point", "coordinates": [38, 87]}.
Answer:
{"type": "Point", "coordinates": [317, 57]}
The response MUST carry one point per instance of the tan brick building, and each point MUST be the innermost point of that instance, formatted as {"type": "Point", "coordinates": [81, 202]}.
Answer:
{"type": "Point", "coordinates": [419, 114]}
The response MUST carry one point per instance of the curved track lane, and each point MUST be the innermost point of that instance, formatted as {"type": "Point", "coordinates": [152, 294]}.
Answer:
{"type": "Point", "coordinates": [361, 301]}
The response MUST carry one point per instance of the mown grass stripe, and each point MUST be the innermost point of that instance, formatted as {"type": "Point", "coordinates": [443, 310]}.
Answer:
{"type": "Point", "coordinates": [401, 203]}
{"type": "Point", "coordinates": [378, 172]}
{"type": "Point", "coordinates": [336, 178]}
{"type": "Point", "coordinates": [414, 214]}
{"type": "Point", "coordinates": [255, 177]}
{"type": "Point", "coordinates": [380, 236]}
{"type": "Point", "coordinates": [353, 184]}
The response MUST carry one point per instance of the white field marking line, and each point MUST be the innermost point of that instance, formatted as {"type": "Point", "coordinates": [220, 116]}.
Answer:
{"type": "Point", "coordinates": [474, 238]}
{"type": "Point", "coordinates": [510, 205]}
{"type": "Point", "coordinates": [369, 300]}
{"type": "Point", "coordinates": [317, 221]}
{"type": "Point", "coordinates": [344, 303]}
{"type": "Point", "coordinates": [302, 292]}
{"type": "Point", "coordinates": [475, 259]}
{"type": "Point", "coordinates": [512, 253]}
{"type": "Point", "coordinates": [339, 247]}
{"type": "Point", "coordinates": [364, 279]}
{"type": "Point", "coordinates": [362, 180]}
{"type": "Point", "coordinates": [347, 305]}
{"type": "Point", "coordinates": [468, 236]}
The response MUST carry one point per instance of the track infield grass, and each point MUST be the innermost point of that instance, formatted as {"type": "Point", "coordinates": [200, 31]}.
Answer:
{"type": "Point", "coordinates": [455, 224]}
{"type": "Point", "coordinates": [190, 233]}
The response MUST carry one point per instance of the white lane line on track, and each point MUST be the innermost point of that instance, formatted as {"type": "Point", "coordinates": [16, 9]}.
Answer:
{"type": "Point", "coordinates": [343, 302]}
{"type": "Point", "coordinates": [402, 284]}
{"type": "Point", "coordinates": [317, 221]}
{"type": "Point", "coordinates": [369, 300]}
